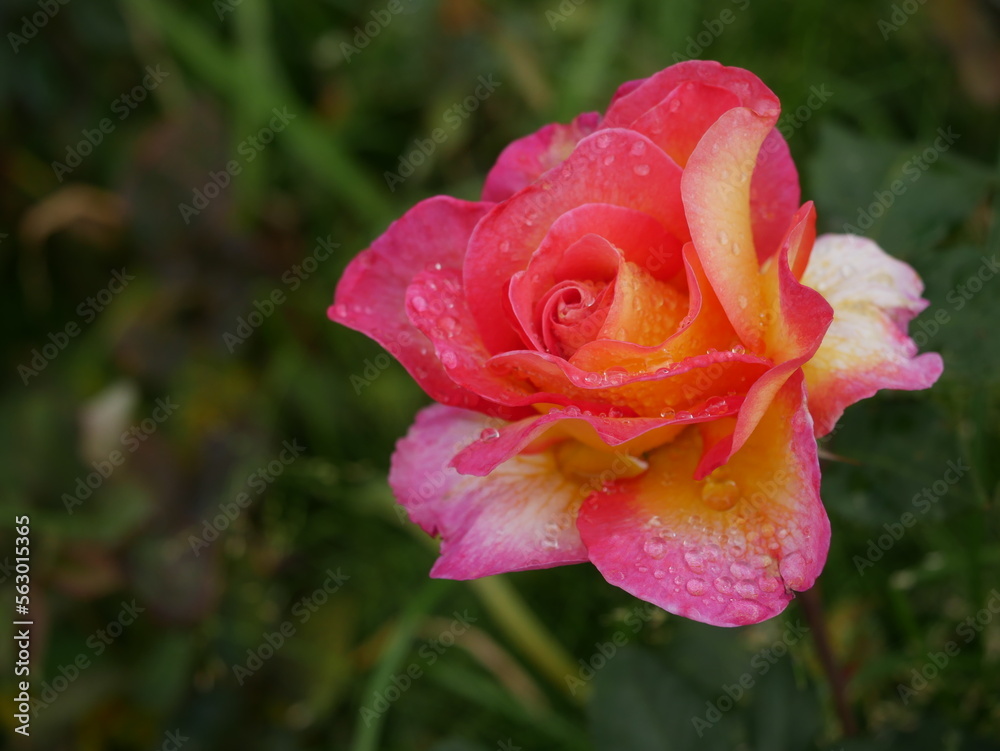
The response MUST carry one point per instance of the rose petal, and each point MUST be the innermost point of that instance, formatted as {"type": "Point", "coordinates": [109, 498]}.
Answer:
{"type": "Point", "coordinates": [616, 167]}
{"type": "Point", "coordinates": [370, 295]}
{"type": "Point", "coordinates": [796, 319]}
{"type": "Point", "coordinates": [526, 159]}
{"type": "Point", "coordinates": [874, 297]}
{"type": "Point", "coordinates": [629, 434]}
{"type": "Point", "coordinates": [678, 122]}
{"type": "Point", "coordinates": [519, 517]}
{"type": "Point", "coordinates": [716, 190]}
{"type": "Point", "coordinates": [726, 551]}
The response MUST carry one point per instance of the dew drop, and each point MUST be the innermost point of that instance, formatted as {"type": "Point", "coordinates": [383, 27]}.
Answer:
{"type": "Point", "coordinates": [658, 574]}
{"type": "Point", "coordinates": [641, 169]}
{"type": "Point", "coordinates": [768, 584]}
{"type": "Point", "coordinates": [741, 571]}
{"type": "Point", "coordinates": [603, 141]}
{"type": "Point", "coordinates": [736, 249]}
{"type": "Point", "coordinates": [745, 612]}
{"type": "Point", "coordinates": [504, 246]}
{"type": "Point", "coordinates": [793, 570]}
{"type": "Point", "coordinates": [655, 547]}
{"type": "Point", "coordinates": [592, 379]}
{"type": "Point", "coordinates": [696, 587]}
{"type": "Point", "coordinates": [723, 238]}
{"type": "Point", "coordinates": [638, 148]}
{"type": "Point", "coordinates": [742, 301]}
{"type": "Point", "coordinates": [684, 415]}
{"type": "Point", "coordinates": [340, 310]}
{"type": "Point", "coordinates": [724, 585]}
{"type": "Point", "coordinates": [448, 324]}
{"type": "Point", "coordinates": [609, 159]}
{"type": "Point", "coordinates": [449, 359]}
{"type": "Point", "coordinates": [489, 434]}
{"type": "Point", "coordinates": [667, 414]}
{"type": "Point", "coordinates": [746, 590]}
{"type": "Point", "coordinates": [675, 105]}
{"type": "Point", "coordinates": [739, 349]}
{"type": "Point", "coordinates": [694, 561]}
{"type": "Point", "coordinates": [419, 304]}
{"type": "Point", "coordinates": [720, 496]}
{"type": "Point", "coordinates": [716, 405]}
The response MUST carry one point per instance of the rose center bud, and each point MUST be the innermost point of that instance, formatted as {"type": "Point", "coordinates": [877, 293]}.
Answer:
{"type": "Point", "coordinates": [573, 313]}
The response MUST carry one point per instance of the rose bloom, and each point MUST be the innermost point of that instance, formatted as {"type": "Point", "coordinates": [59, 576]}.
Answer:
{"type": "Point", "coordinates": [635, 340]}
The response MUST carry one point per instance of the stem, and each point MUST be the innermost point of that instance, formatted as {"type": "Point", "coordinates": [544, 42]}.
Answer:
{"type": "Point", "coordinates": [527, 632]}
{"type": "Point", "coordinates": [812, 608]}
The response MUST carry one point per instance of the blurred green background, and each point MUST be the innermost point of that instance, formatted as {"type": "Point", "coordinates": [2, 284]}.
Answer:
{"type": "Point", "coordinates": [242, 579]}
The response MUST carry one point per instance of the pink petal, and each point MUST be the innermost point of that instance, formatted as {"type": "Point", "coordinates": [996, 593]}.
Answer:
{"type": "Point", "coordinates": [526, 159]}
{"type": "Point", "coordinates": [519, 517]}
{"type": "Point", "coordinates": [598, 431]}
{"type": "Point", "coordinates": [796, 319]}
{"type": "Point", "coordinates": [716, 190]}
{"type": "Point", "coordinates": [751, 91]}
{"type": "Point", "coordinates": [693, 88]}
{"type": "Point", "coordinates": [874, 297]}
{"type": "Point", "coordinates": [728, 550]}
{"type": "Point", "coordinates": [616, 167]}
{"type": "Point", "coordinates": [370, 295]}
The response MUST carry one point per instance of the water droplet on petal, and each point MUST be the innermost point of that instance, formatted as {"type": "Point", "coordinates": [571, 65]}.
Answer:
{"type": "Point", "coordinates": [638, 148]}
{"type": "Point", "coordinates": [658, 574]}
{"type": "Point", "coordinates": [419, 304]}
{"type": "Point", "coordinates": [448, 324]}
{"type": "Point", "coordinates": [742, 301]}
{"type": "Point", "coordinates": [736, 249]}
{"type": "Point", "coordinates": [489, 434]}
{"type": "Point", "coordinates": [641, 169]}
{"type": "Point", "coordinates": [793, 570]}
{"type": "Point", "coordinates": [720, 496]}
{"type": "Point", "coordinates": [716, 405]}
{"type": "Point", "coordinates": [696, 587]}
{"type": "Point", "coordinates": [723, 238]}
{"type": "Point", "coordinates": [694, 561]}
{"type": "Point", "coordinates": [504, 246]}
{"type": "Point", "coordinates": [675, 105]}
{"type": "Point", "coordinates": [746, 590]}
{"type": "Point", "coordinates": [655, 547]}
{"type": "Point", "coordinates": [449, 359]}
{"type": "Point", "coordinates": [741, 571]}
{"type": "Point", "coordinates": [609, 159]}
{"type": "Point", "coordinates": [745, 611]}
{"type": "Point", "coordinates": [724, 585]}
{"type": "Point", "coordinates": [739, 349]}
{"type": "Point", "coordinates": [667, 414]}
{"type": "Point", "coordinates": [603, 141]}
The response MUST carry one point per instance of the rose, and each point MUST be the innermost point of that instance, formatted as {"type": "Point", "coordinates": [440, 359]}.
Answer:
{"type": "Point", "coordinates": [636, 339]}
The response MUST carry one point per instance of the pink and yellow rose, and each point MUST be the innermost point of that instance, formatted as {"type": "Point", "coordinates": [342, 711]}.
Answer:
{"type": "Point", "coordinates": [635, 340]}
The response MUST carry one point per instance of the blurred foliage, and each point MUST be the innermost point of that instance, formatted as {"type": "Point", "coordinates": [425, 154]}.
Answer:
{"type": "Point", "coordinates": [898, 72]}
